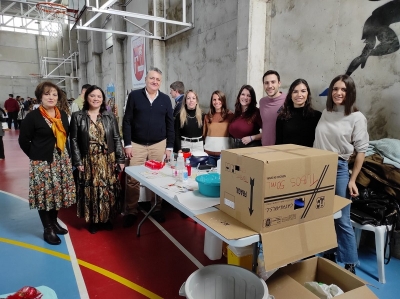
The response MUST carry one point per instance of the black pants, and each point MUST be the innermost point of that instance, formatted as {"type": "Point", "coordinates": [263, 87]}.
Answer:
{"type": "Point", "coordinates": [12, 116]}
{"type": "Point", "coordinates": [1, 147]}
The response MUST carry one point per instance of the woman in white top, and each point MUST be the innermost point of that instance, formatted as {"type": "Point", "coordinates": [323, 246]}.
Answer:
{"type": "Point", "coordinates": [343, 129]}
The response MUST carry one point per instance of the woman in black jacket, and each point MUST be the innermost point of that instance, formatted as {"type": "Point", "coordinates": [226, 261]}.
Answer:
{"type": "Point", "coordinates": [96, 150]}
{"type": "Point", "coordinates": [43, 138]}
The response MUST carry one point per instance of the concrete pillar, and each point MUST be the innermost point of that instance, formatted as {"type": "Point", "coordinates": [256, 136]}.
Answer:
{"type": "Point", "coordinates": [253, 37]}
{"type": "Point", "coordinates": [119, 67]}
{"type": "Point", "coordinates": [158, 49]}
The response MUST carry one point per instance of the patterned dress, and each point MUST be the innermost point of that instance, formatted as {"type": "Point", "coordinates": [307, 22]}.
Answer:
{"type": "Point", "coordinates": [51, 186]}
{"type": "Point", "coordinates": [98, 188]}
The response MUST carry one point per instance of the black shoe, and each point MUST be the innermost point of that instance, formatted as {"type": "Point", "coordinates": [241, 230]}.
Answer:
{"type": "Point", "coordinates": [144, 206]}
{"type": "Point", "coordinates": [57, 227]}
{"type": "Point", "coordinates": [129, 220]}
{"type": "Point", "coordinates": [59, 230]}
{"type": "Point", "coordinates": [351, 268]}
{"type": "Point", "coordinates": [50, 237]}
{"type": "Point", "coordinates": [158, 216]}
{"type": "Point", "coordinates": [93, 228]}
{"type": "Point", "coordinates": [330, 256]}
{"type": "Point", "coordinates": [108, 225]}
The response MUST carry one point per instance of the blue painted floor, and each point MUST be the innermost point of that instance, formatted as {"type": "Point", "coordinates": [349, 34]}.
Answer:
{"type": "Point", "coordinates": [24, 266]}
{"type": "Point", "coordinates": [368, 271]}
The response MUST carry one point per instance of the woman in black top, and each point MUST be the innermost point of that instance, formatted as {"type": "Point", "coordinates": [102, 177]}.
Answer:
{"type": "Point", "coordinates": [189, 124]}
{"type": "Point", "coordinates": [43, 138]}
{"type": "Point", "coordinates": [297, 120]}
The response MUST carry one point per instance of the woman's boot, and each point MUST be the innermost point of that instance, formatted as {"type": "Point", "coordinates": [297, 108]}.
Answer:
{"type": "Point", "coordinates": [48, 235]}
{"type": "Point", "coordinates": [93, 227]}
{"type": "Point", "coordinates": [58, 229]}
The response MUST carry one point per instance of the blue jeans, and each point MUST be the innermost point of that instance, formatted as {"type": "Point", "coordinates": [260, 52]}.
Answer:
{"type": "Point", "coordinates": [346, 251]}
{"type": "Point", "coordinates": [212, 160]}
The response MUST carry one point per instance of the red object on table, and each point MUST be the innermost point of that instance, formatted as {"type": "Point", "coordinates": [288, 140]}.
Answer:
{"type": "Point", "coordinates": [153, 164]}
{"type": "Point", "coordinates": [187, 155]}
{"type": "Point", "coordinates": [26, 293]}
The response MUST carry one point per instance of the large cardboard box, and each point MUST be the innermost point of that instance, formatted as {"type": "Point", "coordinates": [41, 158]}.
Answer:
{"type": "Point", "coordinates": [284, 245]}
{"type": "Point", "coordinates": [288, 282]}
{"type": "Point", "coordinates": [285, 193]}
{"type": "Point", "coordinates": [273, 187]}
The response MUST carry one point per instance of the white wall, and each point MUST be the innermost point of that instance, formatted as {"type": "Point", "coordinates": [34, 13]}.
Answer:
{"type": "Point", "coordinates": [18, 58]}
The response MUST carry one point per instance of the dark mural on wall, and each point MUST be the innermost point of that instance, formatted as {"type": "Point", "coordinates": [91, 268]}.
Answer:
{"type": "Point", "coordinates": [376, 27]}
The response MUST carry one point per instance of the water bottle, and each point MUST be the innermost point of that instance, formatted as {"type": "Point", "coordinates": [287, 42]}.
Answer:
{"type": "Point", "coordinates": [180, 167]}
{"type": "Point", "coordinates": [188, 167]}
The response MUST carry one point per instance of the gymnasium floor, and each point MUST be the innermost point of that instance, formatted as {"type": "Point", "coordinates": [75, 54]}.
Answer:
{"type": "Point", "coordinates": [110, 264]}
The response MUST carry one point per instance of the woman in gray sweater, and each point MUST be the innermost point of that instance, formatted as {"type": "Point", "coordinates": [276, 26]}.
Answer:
{"type": "Point", "coordinates": [343, 129]}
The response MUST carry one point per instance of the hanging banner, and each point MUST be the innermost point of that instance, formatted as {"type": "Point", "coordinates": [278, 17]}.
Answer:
{"type": "Point", "coordinates": [110, 95]}
{"type": "Point", "coordinates": [138, 61]}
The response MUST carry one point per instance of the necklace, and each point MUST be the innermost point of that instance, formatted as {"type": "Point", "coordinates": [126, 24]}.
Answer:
{"type": "Point", "coordinates": [191, 116]}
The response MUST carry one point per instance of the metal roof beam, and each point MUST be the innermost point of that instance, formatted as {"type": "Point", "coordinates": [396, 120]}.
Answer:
{"type": "Point", "coordinates": [138, 16]}
{"type": "Point", "coordinates": [119, 32]}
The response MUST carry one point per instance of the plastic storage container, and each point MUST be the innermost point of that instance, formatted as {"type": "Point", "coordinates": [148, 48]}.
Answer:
{"type": "Point", "coordinates": [240, 256]}
{"type": "Point", "coordinates": [224, 282]}
{"type": "Point", "coordinates": [209, 184]}
{"type": "Point", "coordinates": [155, 165]}
{"type": "Point", "coordinates": [212, 246]}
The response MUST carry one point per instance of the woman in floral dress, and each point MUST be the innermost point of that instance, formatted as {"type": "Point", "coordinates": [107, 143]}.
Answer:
{"type": "Point", "coordinates": [96, 151]}
{"type": "Point", "coordinates": [43, 136]}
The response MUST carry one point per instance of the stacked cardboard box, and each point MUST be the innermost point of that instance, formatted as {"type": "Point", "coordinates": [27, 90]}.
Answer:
{"type": "Point", "coordinates": [289, 281]}
{"type": "Point", "coordinates": [285, 193]}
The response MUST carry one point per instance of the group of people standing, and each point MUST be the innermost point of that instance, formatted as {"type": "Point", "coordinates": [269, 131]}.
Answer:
{"type": "Point", "coordinates": [153, 129]}
{"type": "Point", "coordinates": [89, 140]}
{"type": "Point", "coordinates": [282, 118]}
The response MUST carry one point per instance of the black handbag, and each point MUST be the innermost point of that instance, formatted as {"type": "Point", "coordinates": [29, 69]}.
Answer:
{"type": "Point", "coordinates": [361, 217]}
{"type": "Point", "coordinates": [376, 209]}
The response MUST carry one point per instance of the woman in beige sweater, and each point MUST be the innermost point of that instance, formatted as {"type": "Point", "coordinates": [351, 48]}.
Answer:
{"type": "Point", "coordinates": [215, 129]}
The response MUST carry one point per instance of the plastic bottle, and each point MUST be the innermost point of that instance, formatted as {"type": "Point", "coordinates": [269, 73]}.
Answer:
{"type": "Point", "coordinates": [180, 167]}
{"type": "Point", "coordinates": [261, 272]}
{"type": "Point", "coordinates": [260, 263]}
{"type": "Point", "coordinates": [188, 167]}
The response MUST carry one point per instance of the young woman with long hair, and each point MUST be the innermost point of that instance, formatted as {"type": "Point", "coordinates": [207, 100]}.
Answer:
{"type": "Point", "coordinates": [246, 124]}
{"type": "Point", "coordinates": [189, 124]}
{"type": "Point", "coordinates": [343, 129]}
{"type": "Point", "coordinates": [297, 120]}
{"type": "Point", "coordinates": [215, 129]}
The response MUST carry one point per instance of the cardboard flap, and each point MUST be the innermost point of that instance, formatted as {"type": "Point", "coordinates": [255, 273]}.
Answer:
{"type": "Point", "coordinates": [339, 203]}
{"type": "Point", "coordinates": [282, 286]}
{"type": "Point", "coordinates": [226, 225]}
{"type": "Point", "coordinates": [296, 242]}
{"type": "Point", "coordinates": [359, 293]}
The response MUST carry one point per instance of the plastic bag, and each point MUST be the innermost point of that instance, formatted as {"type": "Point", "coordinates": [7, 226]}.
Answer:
{"type": "Point", "coordinates": [322, 290]}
